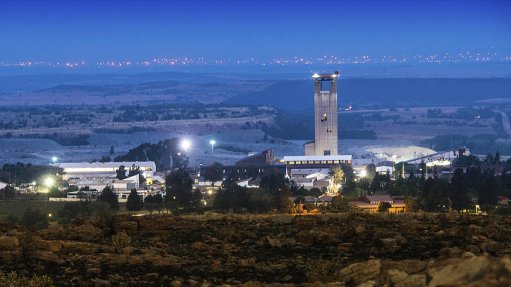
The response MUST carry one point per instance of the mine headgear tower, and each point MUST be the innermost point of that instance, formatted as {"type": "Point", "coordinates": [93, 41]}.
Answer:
{"type": "Point", "coordinates": [325, 116]}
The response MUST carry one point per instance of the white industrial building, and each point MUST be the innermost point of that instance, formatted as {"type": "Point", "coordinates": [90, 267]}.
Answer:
{"type": "Point", "coordinates": [103, 169]}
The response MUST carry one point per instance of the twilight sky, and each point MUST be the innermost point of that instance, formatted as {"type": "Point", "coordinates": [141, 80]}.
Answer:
{"type": "Point", "coordinates": [120, 30]}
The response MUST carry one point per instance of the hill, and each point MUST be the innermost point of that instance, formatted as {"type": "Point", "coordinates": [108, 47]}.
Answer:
{"type": "Point", "coordinates": [393, 92]}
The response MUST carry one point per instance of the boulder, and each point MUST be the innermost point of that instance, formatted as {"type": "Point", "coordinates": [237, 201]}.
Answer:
{"type": "Point", "coordinates": [359, 273]}
{"type": "Point", "coordinates": [400, 278]}
{"type": "Point", "coordinates": [8, 243]}
{"type": "Point", "coordinates": [458, 271]}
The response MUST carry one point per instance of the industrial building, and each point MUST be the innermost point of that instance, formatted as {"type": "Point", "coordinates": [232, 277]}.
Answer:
{"type": "Point", "coordinates": [325, 116]}
{"type": "Point", "coordinates": [313, 169]}
{"type": "Point", "coordinates": [103, 169]}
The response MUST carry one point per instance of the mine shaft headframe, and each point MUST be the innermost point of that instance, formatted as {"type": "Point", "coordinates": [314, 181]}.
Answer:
{"type": "Point", "coordinates": [326, 77]}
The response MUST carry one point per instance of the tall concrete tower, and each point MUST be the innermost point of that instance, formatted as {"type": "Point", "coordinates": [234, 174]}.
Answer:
{"type": "Point", "coordinates": [325, 116]}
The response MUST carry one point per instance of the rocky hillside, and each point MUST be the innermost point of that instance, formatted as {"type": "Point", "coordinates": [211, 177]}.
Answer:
{"type": "Point", "coordinates": [350, 249]}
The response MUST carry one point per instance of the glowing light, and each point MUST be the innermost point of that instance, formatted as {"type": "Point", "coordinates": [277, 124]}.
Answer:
{"type": "Point", "coordinates": [186, 144]}
{"type": "Point", "coordinates": [315, 75]}
{"type": "Point", "coordinates": [49, 181]}
{"type": "Point", "coordinates": [438, 163]}
{"type": "Point", "coordinates": [54, 159]}
{"type": "Point", "coordinates": [363, 173]}
{"type": "Point", "coordinates": [212, 143]}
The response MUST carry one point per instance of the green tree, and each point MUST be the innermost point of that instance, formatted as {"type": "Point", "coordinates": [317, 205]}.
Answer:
{"type": "Point", "coordinates": [197, 202]}
{"type": "Point", "coordinates": [8, 192]}
{"type": "Point", "coordinates": [179, 188]}
{"type": "Point", "coordinates": [370, 170]}
{"type": "Point", "coordinates": [108, 196]}
{"type": "Point", "coordinates": [338, 174]}
{"type": "Point", "coordinates": [279, 188]}
{"type": "Point", "coordinates": [260, 201]}
{"type": "Point", "coordinates": [134, 202]}
{"type": "Point", "coordinates": [403, 187]}
{"type": "Point", "coordinates": [459, 191]}
{"type": "Point", "coordinates": [105, 158]}
{"type": "Point", "coordinates": [165, 154]}
{"type": "Point", "coordinates": [214, 173]}
{"type": "Point", "coordinates": [340, 204]}
{"type": "Point", "coordinates": [121, 172]}
{"type": "Point", "coordinates": [436, 195]}
{"type": "Point", "coordinates": [488, 190]}
{"type": "Point", "coordinates": [413, 204]}
{"type": "Point", "coordinates": [232, 197]}
{"type": "Point", "coordinates": [55, 192]}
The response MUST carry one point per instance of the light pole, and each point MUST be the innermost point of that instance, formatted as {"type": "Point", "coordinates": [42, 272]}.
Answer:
{"type": "Point", "coordinates": [212, 143]}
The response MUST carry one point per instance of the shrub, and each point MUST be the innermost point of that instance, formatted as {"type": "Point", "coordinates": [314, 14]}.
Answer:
{"type": "Point", "coordinates": [107, 195]}
{"type": "Point", "coordinates": [122, 242]}
{"type": "Point", "coordinates": [34, 218]}
{"type": "Point", "coordinates": [55, 192]}
{"type": "Point", "coordinates": [101, 210]}
{"type": "Point", "coordinates": [14, 280]}
{"type": "Point", "coordinates": [340, 204]}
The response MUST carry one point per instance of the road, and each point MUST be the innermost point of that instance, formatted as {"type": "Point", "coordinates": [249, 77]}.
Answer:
{"type": "Point", "coordinates": [505, 123]}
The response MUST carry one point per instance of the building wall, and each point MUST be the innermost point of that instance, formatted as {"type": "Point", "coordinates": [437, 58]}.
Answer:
{"type": "Point", "coordinates": [310, 149]}
{"type": "Point", "coordinates": [325, 116]}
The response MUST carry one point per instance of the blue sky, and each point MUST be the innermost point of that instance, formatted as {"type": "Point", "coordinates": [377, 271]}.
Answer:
{"type": "Point", "coordinates": [135, 30]}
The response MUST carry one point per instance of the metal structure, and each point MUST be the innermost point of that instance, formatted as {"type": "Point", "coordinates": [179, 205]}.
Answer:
{"type": "Point", "coordinates": [325, 116]}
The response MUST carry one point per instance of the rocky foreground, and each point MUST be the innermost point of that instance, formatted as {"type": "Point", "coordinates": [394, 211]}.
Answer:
{"type": "Point", "coordinates": [335, 250]}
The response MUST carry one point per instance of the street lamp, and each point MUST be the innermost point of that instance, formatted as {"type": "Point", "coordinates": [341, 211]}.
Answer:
{"type": "Point", "coordinates": [186, 144]}
{"type": "Point", "coordinates": [212, 143]}
{"type": "Point", "coordinates": [54, 159]}
{"type": "Point", "coordinates": [49, 181]}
